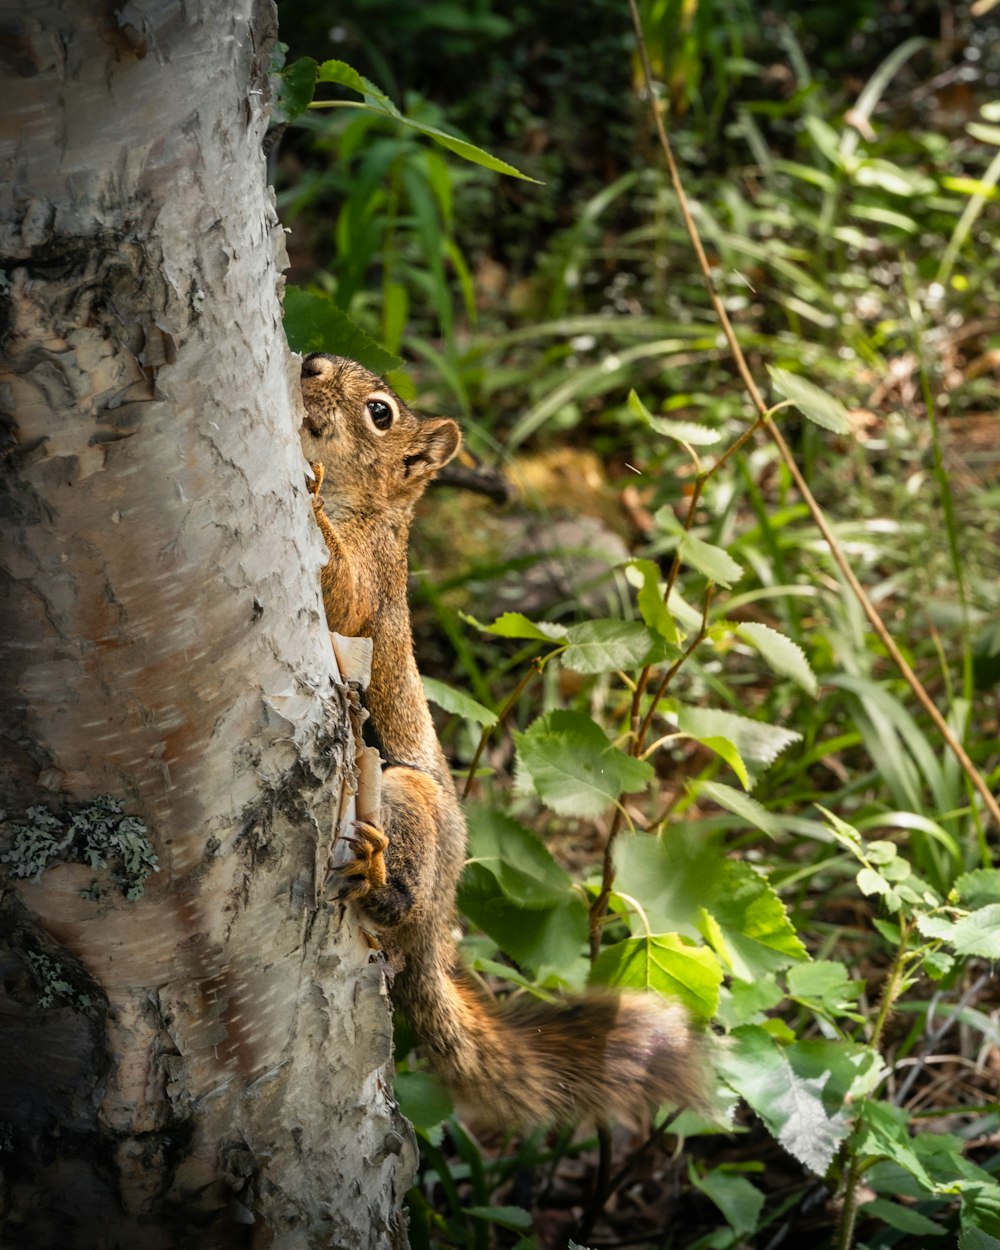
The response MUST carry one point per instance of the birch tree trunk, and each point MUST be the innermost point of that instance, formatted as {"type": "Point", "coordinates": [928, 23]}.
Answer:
{"type": "Point", "coordinates": [194, 1056]}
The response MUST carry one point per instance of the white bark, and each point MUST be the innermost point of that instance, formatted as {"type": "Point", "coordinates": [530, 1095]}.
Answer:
{"type": "Point", "coordinates": [163, 643]}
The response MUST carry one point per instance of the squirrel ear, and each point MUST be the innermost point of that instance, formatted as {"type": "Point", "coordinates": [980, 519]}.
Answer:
{"type": "Point", "coordinates": [440, 440]}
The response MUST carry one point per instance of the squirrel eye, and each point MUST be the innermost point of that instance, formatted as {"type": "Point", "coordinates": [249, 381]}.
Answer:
{"type": "Point", "coordinates": [381, 413]}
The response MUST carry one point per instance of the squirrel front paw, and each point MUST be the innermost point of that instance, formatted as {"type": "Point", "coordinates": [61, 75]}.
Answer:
{"type": "Point", "coordinates": [365, 870]}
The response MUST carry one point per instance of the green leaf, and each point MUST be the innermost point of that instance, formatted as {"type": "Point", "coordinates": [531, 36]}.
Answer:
{"type": "Point", "coordinates": [314, 323]}
{"type": "Point", "coordinates": [739, 1201]}
{"type": "Point", "coordinates": [711, 561]}
{"type": "Point", "coordinates": [671, 876]}
{"type": "Point", "coordinates": [824, 986]}
{"type": "Point", "coordinates": [816, 404]}
{"type": "Point", "coordinates": [422, 1099]}
{"type": "Point", "coordinates": [800, 1091]}
{"type": "Point", "coordinates": [667, 964]}
{"type": "Point", "coordinates": [681, 431]}
{"type": "Point", "coordinates": [786, 657]}
{"type": "Point", "coordinates": [756, 741]}
{"type": "Point", "coordinates": [937, 964]}
{"type": "Point", "coordinates": [514, 625]}
{"type": "Point", "coordinates": [739, 804]}
{"type": "Point", "coordinates": [507, 1217]}
{"type": "Point", "coordinates": [883, 1131]}
{"type": "Point", "coordinates": [293, 89]}
{"type": "Point", "coordinates": [457, 702]}
{"type": "Point", "coordinates": [605, 646]}
{"type": "Point", "coordinates": [574, 768]}
{"type": "Point", "coordinates": [521, 864]}
{"type": "Point", "coordinates": [725, 749]}
{"type": "Point", "coordinates": [347, 76]}
{"type": "Point", "coordinates": [976, 934]}
{"type": "Point", "coordinates": [906, 1219]}
{"type": "Point", "coordinates": [748, 926]}
{"type": "Point", "coordinates": [979, 887]}
{"type": "Point", "coordinates": [545, 940]}
{"type": "Point", "coordinates": [743, 1000]}
{"type": "Point", "coordinates": [646, 575]}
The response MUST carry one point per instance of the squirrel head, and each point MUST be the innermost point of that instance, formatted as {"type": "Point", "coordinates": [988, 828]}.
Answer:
{"type": "Point", "coordinates": [377, 454]}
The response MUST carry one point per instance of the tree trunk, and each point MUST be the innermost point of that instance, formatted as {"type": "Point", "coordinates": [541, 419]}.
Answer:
{"type": "Point", "coordinates": [194, 1056]}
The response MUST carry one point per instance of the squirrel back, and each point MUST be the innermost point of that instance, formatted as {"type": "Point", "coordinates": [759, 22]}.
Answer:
{"type": "Point", "coordinates": [524, 1062]}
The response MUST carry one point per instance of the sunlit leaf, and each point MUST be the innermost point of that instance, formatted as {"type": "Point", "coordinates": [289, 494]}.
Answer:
{"type": "Point", "coordinates": [665, 963]}
{"type": "Point", "coordinates": [713, 562]}
{"type": "Point", "coordinates": [755, 740]}
{"type": "Point", "coordinates": [514, 625]}
{"type": "Point", "coordinates": [741, 805]}
{"type": "Point", "coordinates": [802, 1092]}
{"type": "Point", "coordinates": [681, 431]}
{"type": "Point", "coordinates": [816, 404]}
{"type": "Point", "coordinates": [646, 575]}
{"type": "Point", "coordinates": [786, 657]}
{"type": "Point", "coordinates": [606, 646]}
{"type": "Point", "coordinates": [747, 923]}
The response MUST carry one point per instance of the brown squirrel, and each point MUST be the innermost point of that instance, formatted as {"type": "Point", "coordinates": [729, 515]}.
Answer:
{"type": "Point", "coordinates": [593, 1056]}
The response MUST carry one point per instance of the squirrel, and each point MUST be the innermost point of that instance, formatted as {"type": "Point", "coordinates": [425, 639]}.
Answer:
{"type": "Point", "coordinates": [521, 1063]}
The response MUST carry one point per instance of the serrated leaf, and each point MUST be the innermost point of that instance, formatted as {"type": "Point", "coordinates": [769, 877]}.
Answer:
{"type": "Point", "coordinates": [883, 1131]}
{"type": "Point", "coordinates": [739, 804]}
{"type": "Point", "coordinates": [646, 575]}
{"type": "Point", "coordinates": [725, 750]}
{"type": "Point", "coordinates": [872, 882]}
{"type": "Point", "coordinates": [712, 562]}
{"type": "Point", "coordinates": [605, 646]}
{"type": "Point", "coordinates": [978, 888]}
{"type": "Point", "coordinates": [786, 657]}
{"type": "Point", "coordinates": [756, 741]}
{"type": "Point", "coordinates": [816, 404]}
{"type": "Point", "coordinates": [938, 964]}
{"type": "Point", "coordinates": [800, 1091]}
{"type": "Point", "coordinates": [515, 625]}
{"type": "Point", "coordinates": [976, 934]}
{"type": "Point", "coordinates": [314, 323]}
{"type": "Point", "coordinates": [681, 431]}
{"type": "Point", "coordinates": [574, 768]}
{"type": "Point", "coordinates": [825, 986]}
{"type": "Point", "coordinates": [751, 931]}
{"type": "Point", "coordinates": [664, 963]}
{"type": "Point", "coordinates": [347, 76]}
{"type": "Point", "coordinates": [457, 702]}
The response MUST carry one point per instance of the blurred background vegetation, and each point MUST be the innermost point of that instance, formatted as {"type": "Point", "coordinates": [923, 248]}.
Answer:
{"type": "Point", "coordinates": [842, 159]}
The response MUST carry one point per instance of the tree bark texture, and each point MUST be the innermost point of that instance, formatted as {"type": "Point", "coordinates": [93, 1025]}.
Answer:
{"type": "Point", "coordinates": [195, 1057]}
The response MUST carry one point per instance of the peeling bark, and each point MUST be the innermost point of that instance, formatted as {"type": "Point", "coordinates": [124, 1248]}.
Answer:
{"type": "Point", "coordinates": [204, 1065]}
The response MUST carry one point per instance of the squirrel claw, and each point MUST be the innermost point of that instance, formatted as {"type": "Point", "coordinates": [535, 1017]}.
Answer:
{"type": "Point", "coordinates": [365, 871]}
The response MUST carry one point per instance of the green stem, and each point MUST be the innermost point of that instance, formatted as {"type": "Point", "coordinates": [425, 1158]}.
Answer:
{"type": "Point", "coordinates": [852, 1176]}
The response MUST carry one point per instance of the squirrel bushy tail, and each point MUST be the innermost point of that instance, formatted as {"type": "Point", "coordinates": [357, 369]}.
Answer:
{"type": "Point", "coordinates": [526, 1062]}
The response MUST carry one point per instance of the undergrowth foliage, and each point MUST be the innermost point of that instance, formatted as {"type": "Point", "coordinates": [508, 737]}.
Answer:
{"type": "Point", "coordinates": [784, 844]}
